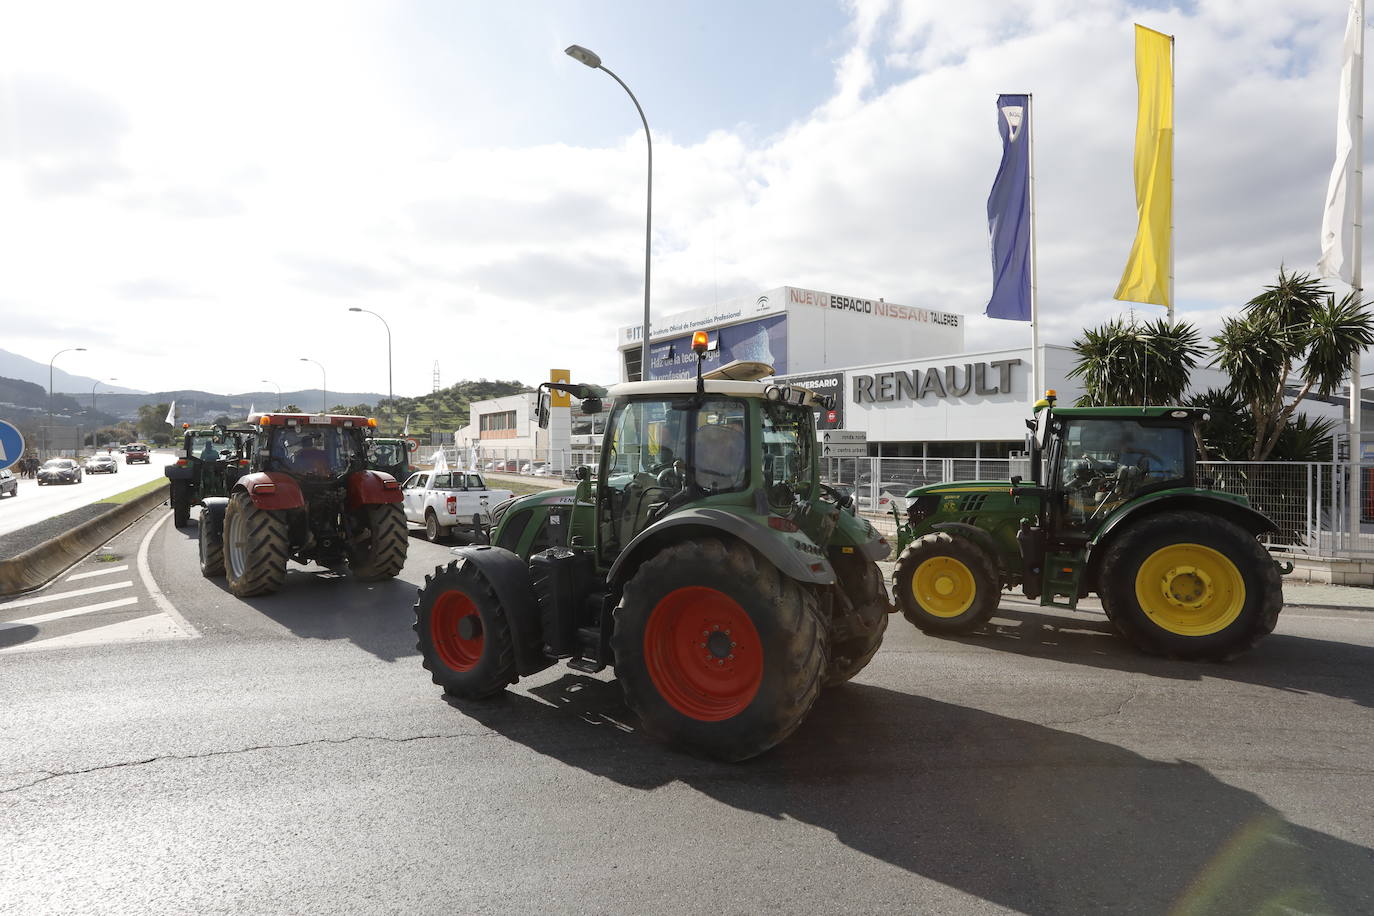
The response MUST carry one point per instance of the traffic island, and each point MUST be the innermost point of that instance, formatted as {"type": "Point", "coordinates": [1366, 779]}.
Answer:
{"type": "Point", "coordinates": [34, 556]}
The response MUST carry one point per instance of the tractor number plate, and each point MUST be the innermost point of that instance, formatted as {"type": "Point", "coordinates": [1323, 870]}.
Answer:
{"type": "Point", "coordinates": [320, 421]}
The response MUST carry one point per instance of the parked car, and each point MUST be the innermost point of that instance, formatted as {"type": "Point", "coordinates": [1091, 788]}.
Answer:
{"type": "Point", "coordinates": [890, 493]}
{"type": "Point", "coordinates": [59, 470]}
{"type": "Point", "coordinates": [136, 453]}
{"type": "Point", "coordinates": [8, 484]}
{"type": "Point", "coordinates": [102, 464]}
{"type": "Point", "coordinates": [451, 501]}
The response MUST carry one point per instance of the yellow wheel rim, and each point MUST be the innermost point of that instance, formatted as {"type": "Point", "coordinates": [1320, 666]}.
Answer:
{"type": "Point", "coordinates": [943, 587]}
{"type": "Point", "coordinates": [1190, 590]}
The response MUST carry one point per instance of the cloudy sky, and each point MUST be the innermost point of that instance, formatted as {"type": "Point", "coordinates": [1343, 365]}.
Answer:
{"type": "Point", "coordinates": [197, 193]}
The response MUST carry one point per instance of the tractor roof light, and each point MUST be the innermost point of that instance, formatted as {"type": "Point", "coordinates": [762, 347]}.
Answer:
{"type": "Point", "coordinates": [372, 422]}
{"type": "Point", "coordinates": [700, 343]}
{"type": "Point", "coordinates": [186, 426]}
{"type": "Point", "coordinates": [265, 420]}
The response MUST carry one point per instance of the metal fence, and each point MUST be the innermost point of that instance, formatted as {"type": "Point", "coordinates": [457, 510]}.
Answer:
{"type": "Point", "coordinates": [1307, 501]}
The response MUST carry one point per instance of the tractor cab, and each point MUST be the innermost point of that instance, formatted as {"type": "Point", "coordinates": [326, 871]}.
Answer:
{"type": "Point", "coordinates": [211, 459]}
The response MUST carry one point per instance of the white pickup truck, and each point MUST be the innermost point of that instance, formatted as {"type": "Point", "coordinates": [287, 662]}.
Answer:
{"type": "Point", "coordinates": [445, 500]}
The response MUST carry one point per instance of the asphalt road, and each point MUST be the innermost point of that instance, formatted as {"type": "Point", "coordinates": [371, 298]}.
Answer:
{"type": "Point", "coordinates": [34, 504]}
{"type": "Point", "coordinates": [293, 757]}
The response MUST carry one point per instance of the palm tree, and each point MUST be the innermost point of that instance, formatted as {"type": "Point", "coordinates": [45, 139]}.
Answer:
{"type": "Point", "coordinates": [1129, 364]}
{"type": "Point", "coordinates": [1293, 331]}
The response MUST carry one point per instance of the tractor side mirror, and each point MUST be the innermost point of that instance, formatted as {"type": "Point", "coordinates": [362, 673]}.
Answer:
{"type": "Point", "coordinates": [591, 406]}
{"type": "Point", "coordinates": [542, 411]}
{"type": "Point", "coordinates": [583, 472]}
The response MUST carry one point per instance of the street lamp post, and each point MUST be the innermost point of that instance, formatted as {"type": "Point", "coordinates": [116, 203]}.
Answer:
{"type": "Point", "coordinates": [276, 386]}
{"type": "Point", "coordinates": [97, 382]}
{"type": "Point", "coordinates": [582, 55]}
{"type": "Point", "coordinates": [390, 398]}
{"type": "Point", "coordinates": [324, 384]}
{"type": "Point", "coordinates": [50, 362]}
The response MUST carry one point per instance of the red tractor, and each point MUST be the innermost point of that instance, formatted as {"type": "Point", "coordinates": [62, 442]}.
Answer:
{"type": "Point", "coordinates": [308, 496]}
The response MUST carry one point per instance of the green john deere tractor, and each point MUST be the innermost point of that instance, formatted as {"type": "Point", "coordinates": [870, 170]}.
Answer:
{"type": "Point", "coordinates": [1116, 508]}
{"type": "Point", "coordinates": [211, 460]}
{"type": "Point", "coordinates": [703, 559]}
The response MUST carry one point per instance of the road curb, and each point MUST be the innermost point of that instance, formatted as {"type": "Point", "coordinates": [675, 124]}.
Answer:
{"type": "Point", "coordinates": [39, 565]}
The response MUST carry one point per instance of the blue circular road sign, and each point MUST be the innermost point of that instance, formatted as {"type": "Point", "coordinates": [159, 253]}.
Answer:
{"type": "Point", "coordinates": [11, 444]}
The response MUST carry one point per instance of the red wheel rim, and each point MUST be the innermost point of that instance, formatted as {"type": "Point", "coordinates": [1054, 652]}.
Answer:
{"type": "Point", "coordinates": [455, 651]}
{"type": "Point", "coordinates": [703, 653]}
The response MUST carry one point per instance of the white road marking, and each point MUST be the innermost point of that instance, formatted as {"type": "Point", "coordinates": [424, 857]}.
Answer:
{"type": "Point", "coordinates": [140, 629]}
{"type": "Point", "coordinates": [146, 574]}
{"type": "Point", "coordinates": [98, 572]}
{"type": "Point", "coordinates": [69, 612]}
{"type": "Point", "coordinates": [75, 593]}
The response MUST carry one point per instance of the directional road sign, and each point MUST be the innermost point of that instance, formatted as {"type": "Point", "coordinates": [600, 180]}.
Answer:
{"type": "Point", "coordinates": [11, 444]}
{"type": "Point", "coordinates": [842, 436]}
{"type": "Point", "coordinates": [844, 450]}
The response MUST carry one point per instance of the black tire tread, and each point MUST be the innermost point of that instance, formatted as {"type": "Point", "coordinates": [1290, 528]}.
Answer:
{"type": "Point", "coordinates": [379, 552]}
{"type": "Point", "coordinates": [268, 548]}
{"type": "Point", "coordinates": [986, 576]}
{"type": "Point", "coordinates": [1257, 620]}
{"type": "Point", "coordinates": [211, 549]}
{"type": "Point", "coordinates": [181, 504]}
{"type": "Point", "coordinates": [865, 589]}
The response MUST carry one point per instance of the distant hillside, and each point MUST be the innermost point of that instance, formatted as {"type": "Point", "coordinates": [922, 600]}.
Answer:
{"type": "Point", "coordinates": [27, 394]}
{"type": "Point", "coordinates": [15, 366]}
{"type": "Point", "coordinates": [447, 409]}
{"type": "Point", "coordinates": [195, 405]}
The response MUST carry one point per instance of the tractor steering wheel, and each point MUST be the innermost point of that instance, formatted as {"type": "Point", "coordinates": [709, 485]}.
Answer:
{"type": "Point", "coordinates": [841, 500]}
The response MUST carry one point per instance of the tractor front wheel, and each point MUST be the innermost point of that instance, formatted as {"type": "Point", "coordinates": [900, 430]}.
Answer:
{"type": "Point", "coordinates": [211, 547]}
{"type": "Point", "coordinates": [857, 635]}
{"type": "Point", "coordinates": [1190, 585]}
{"type": "Point", "coordinates": [256, 546]}
{"type": "Point", "coordinates": [717, 651]}
{"type": "Point", "coordinates": [946, 583]}
{"type": "Point", "coordinates": [464, 636]}
{"type": "Point", "coordinates": [378, 547]}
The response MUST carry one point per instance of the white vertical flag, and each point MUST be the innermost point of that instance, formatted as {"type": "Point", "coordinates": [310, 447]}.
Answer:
{"type": "Point", "coordinates": [171, 413]}
{"type": "Point", "coordinates": [1338, 236]}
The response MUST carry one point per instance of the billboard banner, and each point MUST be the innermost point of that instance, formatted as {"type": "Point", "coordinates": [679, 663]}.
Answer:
{"type": "Point", "coordinates": [823, 383]}
{"type": "Point", "coordinates": [763, 341]}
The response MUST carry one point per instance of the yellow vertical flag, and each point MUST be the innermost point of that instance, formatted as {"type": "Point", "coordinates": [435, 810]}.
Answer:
{"type": "Point", "coordinates": [1146, 277]}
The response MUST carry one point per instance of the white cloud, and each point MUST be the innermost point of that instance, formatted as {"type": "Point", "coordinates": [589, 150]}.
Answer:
{"type": "Point", "coordinates": [204, 196]}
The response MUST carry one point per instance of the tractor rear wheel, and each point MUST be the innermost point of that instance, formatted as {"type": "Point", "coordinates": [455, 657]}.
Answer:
{"type": "Point", "coordinates": [211, 548]}
{"type": "Point", "coordinates": [464, 636]}
{"type": "Point", "coordinates": [946, 583]}
{"type": "Point", "coordinates": [378, 548]}
{"type": "Point", "coordinates": [1190, 585]}
{"type": "Point", "coordinates": [255, 547]}
{"type": "Point", "coordinates": [853, 646]}
{"type": "Point", "coordinates": [717, 651]}
{"type": "Point", "coordinates": [181, 504]}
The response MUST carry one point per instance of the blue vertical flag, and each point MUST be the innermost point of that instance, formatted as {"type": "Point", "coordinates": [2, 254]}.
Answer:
{"type": "Point", "coordinates": [1009, 219]}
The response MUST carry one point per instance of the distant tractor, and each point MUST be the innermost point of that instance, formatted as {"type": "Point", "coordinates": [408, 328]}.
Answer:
{"type": "Point", "coordinates": [703, 559]}
{"type": "Point", "coordinates": [391, 456]}
{"type": "Point", "coordinates": [306, 496]}
{"type": "Point", "coordinates": [1117, 508]}
{"type": "Point", "coordinates": [211, 459]}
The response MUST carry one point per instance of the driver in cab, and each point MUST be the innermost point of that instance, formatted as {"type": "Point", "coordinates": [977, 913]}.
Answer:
{"type": "Point", "coordinates": [303, 455]}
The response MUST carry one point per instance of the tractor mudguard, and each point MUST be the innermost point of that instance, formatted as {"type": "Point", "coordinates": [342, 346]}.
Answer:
{"type": "Point", "coordinates": [860, 535]}
{"type": "Point", "coordinates": [212, 518]}
{"type": "Point", "coordinates": [175, 472]}
{"type": "Point", "coordinates": [370, 488]}
{"type": "Point", "coordinates": [1251, 520]}
{"type": "Point", "coordinates": [813, 569]}
{"type": "Point", "coordinates": [271, 490]}
{"type": "Point", "coordinates": [509, 578]}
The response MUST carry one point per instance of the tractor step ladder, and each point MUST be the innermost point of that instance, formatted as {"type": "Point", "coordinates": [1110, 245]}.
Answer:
{"type": "Point", "coordinates": [1063, 573]}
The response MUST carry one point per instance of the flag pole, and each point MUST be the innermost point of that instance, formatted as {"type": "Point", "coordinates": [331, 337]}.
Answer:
{"type": "Point", "coordinates": [1356, 282]}
{"type": "Point", "coordinates": [1037, 385]}
{"type": "Point", "coordinates": [1173, 129]}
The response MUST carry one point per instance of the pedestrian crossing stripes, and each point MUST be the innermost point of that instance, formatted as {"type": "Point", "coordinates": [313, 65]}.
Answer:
{"type": "Point", "coordinates": [96, 603]}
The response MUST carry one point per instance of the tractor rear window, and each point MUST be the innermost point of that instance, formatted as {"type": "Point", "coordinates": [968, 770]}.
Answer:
{"type": "Point", "coordinates": [315, 451]}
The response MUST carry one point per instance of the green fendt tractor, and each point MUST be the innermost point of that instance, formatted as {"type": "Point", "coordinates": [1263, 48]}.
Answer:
{"type": "Point", "coordinates": [703, 559]}
{"type": "Point", "coordinates": [211, 460]}
{"type": "Point", "coordinates": [391, 456]}
{"type": "Point", "coordinates": [1116, 508]}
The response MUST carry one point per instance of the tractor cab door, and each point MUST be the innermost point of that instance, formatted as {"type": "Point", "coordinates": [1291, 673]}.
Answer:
{"type": "Point", "coordinates": [1101, 463]}
{"type": "Point", "coordinates": [661, 449]}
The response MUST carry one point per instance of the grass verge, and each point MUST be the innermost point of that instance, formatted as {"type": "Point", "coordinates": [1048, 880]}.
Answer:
{"type": "Point", "coordinates": [136, 492]}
